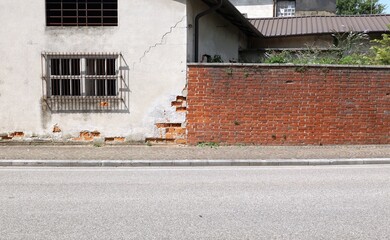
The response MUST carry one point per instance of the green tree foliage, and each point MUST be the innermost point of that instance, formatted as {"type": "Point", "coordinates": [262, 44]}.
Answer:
{"type": "Point", "coordinates": [357, 7]}
{"type": "Point", "coordinates": [382, 50]}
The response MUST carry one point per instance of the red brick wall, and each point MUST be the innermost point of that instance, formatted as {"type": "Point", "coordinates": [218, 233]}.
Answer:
{"type": "Point", "coordinates": [291, 105]}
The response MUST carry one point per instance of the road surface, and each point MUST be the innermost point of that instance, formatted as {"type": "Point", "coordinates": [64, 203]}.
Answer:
{"type": "Point", "coordinates": [323, 202]}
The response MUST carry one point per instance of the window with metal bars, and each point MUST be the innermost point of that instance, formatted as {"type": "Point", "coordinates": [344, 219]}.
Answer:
{"type": "Point", "coordinates": [86, 76]}
{"type": "Point", "coordinates": [85, 82]}
{"type": "Point", "coordinates": [285, 8]}
{"type": "Point", "coordinates": [82, 12]}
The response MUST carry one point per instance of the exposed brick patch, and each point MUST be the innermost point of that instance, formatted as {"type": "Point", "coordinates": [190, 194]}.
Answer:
{"type": "Point", "coordinates": [181, 98]}
{"type": "Point", "coordinates": [104, 104]}
{"type": "Point", "coordinates": [114, 139]}
{"type": "Point", "coordinates": [95, 134]}
{"type": "Point", "coordinates": [167, 125]}
{"type": "Point", "coordinates": [180, 104]}
{"type": "Point", "coordinates": [5, 137]}
{"type": "Point", "coordinates": [12, 136]}
{"type": "Point", "coordinates": [288, 105]}
{"type": "Point", "coordinates": [176, 104]}
{"type": "Point", "coordinates": [160, 140]}
{"type": "Point", "coordinates": [181, 109]}
{"type": "Point", "coordinates": [17, 134]}
{"type": "Point", "coordinates": [56, 129]}
{"type": "Point", "coordinates": [171, 132]}
{"type": "Point", "coordinates": [87, 136]}
{"type": "Point", "coordinates": [181, 141]}
{"type": "Point", "coordinates": [175, 132]}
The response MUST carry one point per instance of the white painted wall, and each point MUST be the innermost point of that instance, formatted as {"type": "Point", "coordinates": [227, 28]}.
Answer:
{"type": "Point", "coordinates": [147, 38]}
{"type": "Point", "coordinates": [217, 35]}
{"type": "Point", "coordinates": [255, 8]}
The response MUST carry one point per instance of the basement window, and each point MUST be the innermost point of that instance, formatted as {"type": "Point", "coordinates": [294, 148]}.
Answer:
{"type": "Point", "coordinates": [85, 81]}
{"type": "Point", "coordinates": [285, 9]}
{"type": "Point", "coordinates": [82, 12]}
{"type": "Point", "coordinates": [82, 76]}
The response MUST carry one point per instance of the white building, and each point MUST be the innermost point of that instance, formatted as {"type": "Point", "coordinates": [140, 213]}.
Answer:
{"type": "Point", "coordinates": [255, 8]}
{"type": "Point", "coordinates": [107, 66]}
{"type": "Point", "coordinates": [285, 8]}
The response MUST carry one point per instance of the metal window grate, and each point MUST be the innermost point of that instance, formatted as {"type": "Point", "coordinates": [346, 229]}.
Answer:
{"type": "Point", "coordinates": [82, 12]}
{"type": "Point", "coordinates": [94, 82]}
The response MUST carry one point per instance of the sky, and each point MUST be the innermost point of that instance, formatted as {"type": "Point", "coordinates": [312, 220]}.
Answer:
{"type": "Point", "coordinates": [387, 3]}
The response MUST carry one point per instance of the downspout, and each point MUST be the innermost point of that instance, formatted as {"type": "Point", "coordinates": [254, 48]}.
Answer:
{"type": "Point", "coordinates": [202, 14]}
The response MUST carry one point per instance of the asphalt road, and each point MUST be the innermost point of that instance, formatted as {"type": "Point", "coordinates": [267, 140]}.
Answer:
{"type": "Point", "coordinates": [329, 202]}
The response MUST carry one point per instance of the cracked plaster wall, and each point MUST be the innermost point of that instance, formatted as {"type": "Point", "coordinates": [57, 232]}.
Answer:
{"type": "Point", "coordinates": [151, 35]}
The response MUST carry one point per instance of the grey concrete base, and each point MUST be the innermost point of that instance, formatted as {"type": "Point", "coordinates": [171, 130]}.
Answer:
{"type": "Point", "coordinates": [189, 163]}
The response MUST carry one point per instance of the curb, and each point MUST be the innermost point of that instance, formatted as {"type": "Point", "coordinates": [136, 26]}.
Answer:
{"type": "Point", "coordinates": [190, 163]}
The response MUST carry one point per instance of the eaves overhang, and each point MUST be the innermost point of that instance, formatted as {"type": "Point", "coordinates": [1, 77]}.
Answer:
{"type": "Point", "coordinates": [231, 13]}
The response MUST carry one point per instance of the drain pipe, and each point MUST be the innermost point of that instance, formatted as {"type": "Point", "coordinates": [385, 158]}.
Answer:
{"type": "Point", "coordinates": [202, 14]}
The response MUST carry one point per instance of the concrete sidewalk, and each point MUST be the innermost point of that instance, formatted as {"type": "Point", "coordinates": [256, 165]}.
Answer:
{"type": "Point", "coordinates": [141, 155]}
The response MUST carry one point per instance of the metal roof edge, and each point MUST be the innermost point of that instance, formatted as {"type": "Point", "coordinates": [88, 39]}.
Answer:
{"type": "Point", "coordinates": [236, 13]}
{"type": "Point", "coordinates": [321, 16]}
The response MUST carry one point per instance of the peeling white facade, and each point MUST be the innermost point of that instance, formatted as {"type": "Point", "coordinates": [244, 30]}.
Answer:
{"type": "Point", "coordinates": [155, 38]}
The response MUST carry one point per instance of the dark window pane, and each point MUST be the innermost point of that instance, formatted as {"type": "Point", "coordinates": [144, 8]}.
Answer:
{"type": "Point", "coordinates": [94, 13]}
{"type": "Point", "coordinates": [70, 14]}
{"type": "Point", "coordinates": [65, 67]}
{"type": "Point", "coordinates": [94, 21]}
{"type": "Point", "coordinates": [82, 22]}
{"type": "Point", "coordinates": [101, 87]}
{"type": "Point", "coordinates": [55, 87]}
{"type": "Point", "coordinates": [90, 67]}
{"type": "Point", "coordinates": [54, 13]}
{"type": "Point", "coordinates": [53, 5]}
{"type": "Point", "coordinates": [112, 6]}
{"type": "Point", "coordinates": [76, 87]}
{"type": "Point", "coordinates": [110, 66]}
{"type": "Point", "coordinates": [82, 13]}
{"type": "Point", "coordinates": [65, 87]}
{"type": "Point", "coordinates": [109, 13]}
{"type": "Point", "coordinates": [100, 67]}
{"type": "Point", "coordinates": [55, 67]}
{"type": "Point", "coordinates": [69, 6]}
{"type": "Point", "coordinates": [94, 6]}
{"type": "Point", "coordinates": [90, 87]}
{"type": "Point", "coordinates": [110, 22]}
{"type": "Point", "coordinates": [75, 66]}
{"type": "Point", "coordinates": [111, 87]}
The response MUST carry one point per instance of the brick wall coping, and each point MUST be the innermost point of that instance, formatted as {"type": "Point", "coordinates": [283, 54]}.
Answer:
{"type": "Point", "coordinates": [287, 65]}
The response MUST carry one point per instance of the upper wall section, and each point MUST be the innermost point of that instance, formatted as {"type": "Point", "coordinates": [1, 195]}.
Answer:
{"type": "Point", "coordinates": [316, 5]}
{"type": "Point", "coordinates": [217, 36]}
{"type": "Point", "coordinates": [255, 8]}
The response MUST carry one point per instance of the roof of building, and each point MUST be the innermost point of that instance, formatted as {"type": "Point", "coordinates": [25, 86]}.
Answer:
{"type": "Point", "coordinates": [230, 12]}
{"type": "Point", "coordinates": [310, 25]}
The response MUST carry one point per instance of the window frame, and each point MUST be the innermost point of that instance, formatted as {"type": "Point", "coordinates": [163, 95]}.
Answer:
{"type": "Point", "coordinates": [278, 8]}
{"type": "Point", "coordinates": [71, 13]}
{"type": "Point", "coordinates": [84, 77]}
{"type": "Point", "coordinates": [87, 103]}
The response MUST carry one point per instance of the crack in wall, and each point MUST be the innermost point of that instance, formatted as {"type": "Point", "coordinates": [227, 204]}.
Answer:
{"type": "Point", "coordinates": [161, 42]}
